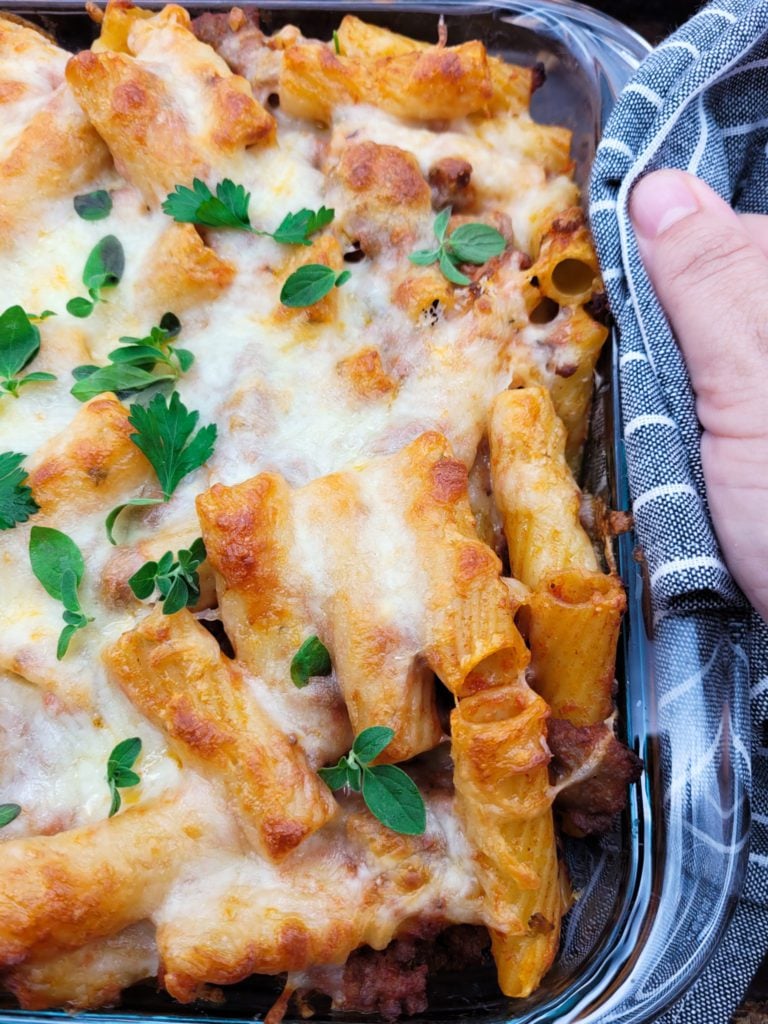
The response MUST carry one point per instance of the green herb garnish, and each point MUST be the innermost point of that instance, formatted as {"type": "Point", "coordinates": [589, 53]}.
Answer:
{"type": "Point", "coordinates": [229, 209]}
{"type": "Point", "coordinates": [389, 794]}
{"type": "Point", "coordinates": [8, 813]}
{"type": "Point", "coordinates": [296, 228]}
{"type": "Point", "coordinates": [470, 243]}
{"type": "Point", "coordinates": [103, 269]}
{"type": "Point", "coordinates": [178, 581]}
{"type": "Point", "coordinates": [198, 205]}
{"type": "Point", "coordinates": [119, 774]}
{"type": "Point", "coordinates": [336, 43]}
{"type": "Point", "coordinates": [311, 659]}
{"type": "Point", "coordinates": [164, 432]}
{"type": "Point", "coordinates": [58, 564]}
{"type": "Point", "coordinates": [19, 344]}
{"type": "Point", "coordinates": [310, 283]}
{"type": "Point", "coordinates": [141, 363]}
{"type": "Point", "coordinates": [16, 501]}
{"type": "Point", "coordinates": [93, 205]}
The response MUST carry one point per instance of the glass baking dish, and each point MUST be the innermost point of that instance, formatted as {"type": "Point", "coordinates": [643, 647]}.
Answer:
{"type": "Point", "coordinates": [655, 894]}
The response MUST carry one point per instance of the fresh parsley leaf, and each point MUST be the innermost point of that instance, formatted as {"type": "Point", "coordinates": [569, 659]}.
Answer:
{"type": "Point", "coordinates": [393, 797]}
{"type": "Point", "coordinates": [311, 659]}
{"type": "Point", "coordinates": [119, 774]}
{"type": "Point", "coordinates": [165, 433]}
{"type": "Point", "coordinates": [229, 209]}
{"type": "Point", "coordinates": [389, 794]}
{"type": "Point", "coordinates": [296, 228]}
{"type": "Point", "coordinates": [19, 344]}
{"type": "Point", "coordinates": [309, 284]}
{"type": "Point", "coordinates": [198, 205]}
{"type": "Point", "coordinates": [16, 501]}
{"type": "Point", "coordinates": [470, 243]}
{"type": "Point", "coordinates": [178, 581]}
{"type": "Point", "coordinates": [8, 813]}
{"type": "Point", "coordinates": [58, 564]}
{"type": "Point", "coordinates": [118, 378]}
{"type": "Point", "coordinates": [93, 205]}
{"type": "Point", "coordinates": [103, 269]}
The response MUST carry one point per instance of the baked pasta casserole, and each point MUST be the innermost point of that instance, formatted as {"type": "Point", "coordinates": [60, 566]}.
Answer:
{"type": "Point", "coordinates": [304, 646]}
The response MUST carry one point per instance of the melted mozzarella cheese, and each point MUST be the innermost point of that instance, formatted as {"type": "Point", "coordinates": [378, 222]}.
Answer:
{"type": "Point", "coordinates": [271, 384]}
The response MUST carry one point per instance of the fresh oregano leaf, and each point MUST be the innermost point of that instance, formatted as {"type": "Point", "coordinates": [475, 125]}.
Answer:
{"type": "Point", "coordinates": [389, 794]}
{"type": "Point", "coordinates": [370, 743]}
{"type": "Point", "coordinates": [104, 268]}
{"type": "Point", "coordinates": [19, 341]}
{"type": "Point", "coordinates": [476, 243]}
{"type": "Point", "coordinates": [119, 774]}
{"type": "Point", "coordinates": [79, 307]}
{"type": "Point", "coordinates": [105, 264]}
{"type": "Point", "coordinates": [58, 564]}
{"type": "Point", "coordinates": [117, 377]}
{"type": "Point", "coordinates": [93, 205]}
{"type": "Point", "coordinates": [8, 813]}
{"type": "Point", "coordinates": [178, 581]}
{"type": "Point", "coordinates": [52, 554]}
{"type": "Point", "coordinates": [311, 659]}
{"type": "Point", "coordinates": [470, 243]}
{"type": "Point", "coordinates": [450, 270]}
{"type": "Point", "coordinates": [132, 503]}
{"type": "Point", "coordinates": [393, 797]}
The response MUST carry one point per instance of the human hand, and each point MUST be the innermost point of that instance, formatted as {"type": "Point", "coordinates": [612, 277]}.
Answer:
{"type": "Point", "coordinates": [709, 267]}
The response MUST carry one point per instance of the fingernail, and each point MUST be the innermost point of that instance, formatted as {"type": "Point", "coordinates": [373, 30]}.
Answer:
{"type": "Point", "coordinates": [660, 200]}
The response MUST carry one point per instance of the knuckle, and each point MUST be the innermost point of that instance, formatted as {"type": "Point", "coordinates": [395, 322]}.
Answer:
{"type": "Point", "coordinates": [706, 256]}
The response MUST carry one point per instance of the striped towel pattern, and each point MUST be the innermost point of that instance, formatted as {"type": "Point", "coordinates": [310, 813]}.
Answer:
{"type": "Point", "coordinates": [699, 102]}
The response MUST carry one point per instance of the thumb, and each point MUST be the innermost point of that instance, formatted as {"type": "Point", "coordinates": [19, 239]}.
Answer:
{"type": "Point", "coordinates": [712, 280]}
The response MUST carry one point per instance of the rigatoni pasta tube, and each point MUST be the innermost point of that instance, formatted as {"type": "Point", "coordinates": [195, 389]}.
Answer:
{"type": "Point", "coordinates": [512, 84]}
{"type": "Point", "coordinates": [504, 799]}
{"type": "Point", "coordinates": [535, 491]}
{"type": "Point", "coordinates": [173, 671]}
{"type": "Point", "coordinates": [573, 631]}
{"type": "Point", "coordinates": [124, 864]}
{"type": "Point", "coordinates": [425, 84]}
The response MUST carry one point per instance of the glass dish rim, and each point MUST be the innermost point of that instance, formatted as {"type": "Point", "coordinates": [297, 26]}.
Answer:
{"type": "Point", "coordinates": [582, 1000]}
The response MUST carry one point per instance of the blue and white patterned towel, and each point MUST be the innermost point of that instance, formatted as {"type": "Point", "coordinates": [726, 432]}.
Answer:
{"type": "Point", "coordinates": [699, 102]}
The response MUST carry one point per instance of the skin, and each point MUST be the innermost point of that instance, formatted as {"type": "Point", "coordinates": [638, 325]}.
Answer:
{"type": "Point", "coordinates": [709, 267]}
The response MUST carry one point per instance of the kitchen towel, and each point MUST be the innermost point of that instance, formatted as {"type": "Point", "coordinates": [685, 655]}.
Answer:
{"type": "Point", "coordinates": [699, 102]}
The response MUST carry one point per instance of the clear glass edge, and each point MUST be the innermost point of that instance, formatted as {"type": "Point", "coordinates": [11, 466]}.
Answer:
{"type": "Point", "coordinates": [609, 992]}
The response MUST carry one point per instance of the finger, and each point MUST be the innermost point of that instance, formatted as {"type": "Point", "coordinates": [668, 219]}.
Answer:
{"type": "Point", "coordinates": [712, 280]}
{"type": "Point", "coordinates": [756, 225]}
